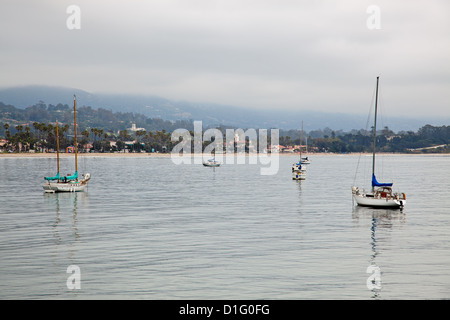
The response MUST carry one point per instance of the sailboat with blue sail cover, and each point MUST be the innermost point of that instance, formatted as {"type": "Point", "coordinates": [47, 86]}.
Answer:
{"type": "Point", "coordinates": [298, 169]}
{"type": "Point", "coordinates": [69, 183]}
{"type": "Point", "coordinates": [381, 195]}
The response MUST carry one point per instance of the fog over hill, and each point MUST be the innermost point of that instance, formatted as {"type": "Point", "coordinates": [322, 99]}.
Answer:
{"type": "Point", "coordinates": [211, 113]}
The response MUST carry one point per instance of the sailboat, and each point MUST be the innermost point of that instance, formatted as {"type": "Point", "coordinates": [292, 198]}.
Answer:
{"type": "Point", "coordinates": [67, 183]}
{"type": "Point", "coordinates": [305, 160]}
{"type": "Point", "coordinates": [212, 162]}
{"type": "Point", "coordinates": [381, 195]}
{"type": "Point", "coordinates": [298, 171]}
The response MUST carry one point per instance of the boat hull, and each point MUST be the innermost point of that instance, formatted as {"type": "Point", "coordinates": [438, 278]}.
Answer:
{"type": "Point", "coordinates": [378, 202]}
{"type": "Point", "coordinates": [306, 161]}
{"type": "Point", "coordinates": [211, 164]}
{"type": "Point", "coordinates": [296, 167]}
{"type": "Point", "coordinates": [63, 187]}
{"type": "Point", "coordinates": [71, 186]}
{"type": "Point", "coordinates": [298, 175]}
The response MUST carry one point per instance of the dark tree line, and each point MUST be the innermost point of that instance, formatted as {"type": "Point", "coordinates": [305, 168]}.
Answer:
{"type": "Point", "coordinates": [386, 141]}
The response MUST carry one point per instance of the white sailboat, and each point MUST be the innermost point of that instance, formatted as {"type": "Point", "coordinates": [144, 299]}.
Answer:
{"type": "Point", "coordinates": [305, 160]}
{"type": "Point", "coordinates": [211, 163]}
{"type": "Point", "coordinates": [67, 183]}
{"type": "Point", "coordinates": [381, 195]}
{"type": "Point", "coordinates": [298, 170]}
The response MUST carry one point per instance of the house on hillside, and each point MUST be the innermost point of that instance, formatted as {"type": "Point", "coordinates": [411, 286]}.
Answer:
{"type": "Point", "coordinates": [133, 128]}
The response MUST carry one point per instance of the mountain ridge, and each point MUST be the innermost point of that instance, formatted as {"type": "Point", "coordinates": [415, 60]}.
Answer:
{"type": "Point", "coordinates": [211, 114]}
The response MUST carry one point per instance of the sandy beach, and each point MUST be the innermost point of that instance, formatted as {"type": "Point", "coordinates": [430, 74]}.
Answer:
{"type": "Point", "coordinates": [81, 155]}
{"type": "Point", "coordinates": [164, 155]}
{"type": "Point", "coordinates": [130, 155]}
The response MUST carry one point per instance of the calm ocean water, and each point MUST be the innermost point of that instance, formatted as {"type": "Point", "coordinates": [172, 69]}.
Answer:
{"type": "Point", "coordinates": [146, 228]}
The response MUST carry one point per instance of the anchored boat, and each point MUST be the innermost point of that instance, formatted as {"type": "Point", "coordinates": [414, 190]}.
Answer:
{"type": "Point", "coordinates": [381, 195]}
{"type": "Point", "coordinates": [67, 183]}
{"type": "Point", "coordinates": [298, 171]}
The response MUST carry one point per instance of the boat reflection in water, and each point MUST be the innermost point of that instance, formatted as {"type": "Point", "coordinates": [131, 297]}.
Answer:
{"type": "Point", "coordinates": [66, 207]}
{"type": "Point", "coordinates": [379, 219]}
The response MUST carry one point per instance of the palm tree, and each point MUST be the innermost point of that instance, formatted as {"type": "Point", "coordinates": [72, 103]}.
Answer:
{"type": "Point", "coordinates": [85, 140]}
{"type": "Point", "coordinates": [139, 135]}
{"type": "Point", "coordinates": [62, 130]}
{"type": "Point", "coordinates": [7, 133]}
{"type": "Point", "coordinates": [85, 133]}
{"type": "Point", "coordinates": [93, 131]}
{"type": "Point", "coordinates": [36, 127]}
{"type": "Point", "coordinates": [123, 134]}
{"type": "Point", "coordinates": [28, 139]}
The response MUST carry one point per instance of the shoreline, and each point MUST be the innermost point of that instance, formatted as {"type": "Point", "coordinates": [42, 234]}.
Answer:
{"type": "Point", "coordinates": [165, 155]}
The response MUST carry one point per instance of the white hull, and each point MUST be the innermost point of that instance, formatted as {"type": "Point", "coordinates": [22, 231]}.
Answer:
{"type": "Point", "coordinates": [305, 161]}
{"type": "Point", "coordinates": [71, 186]}
{"type": "Point", "coordinates": [382, 198]}
{"type": "Point", "coordinates": [298, 175]}
{"type": "Point", "coordinates": [63, 187]}
{"type": "Point", "coordinates": [378, 202]}
{"type": "Point", "coordinates": [211, 164]}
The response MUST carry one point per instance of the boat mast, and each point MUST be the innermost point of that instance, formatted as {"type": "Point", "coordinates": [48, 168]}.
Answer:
{"type": "Point", "coordinates": [301, 139]}
{"type": "Point", "coordinates": [75, 121]}
{"type": "Point", "coordinates": [375, 131]}
{"type": "Point", "coordinates": [57, 148]}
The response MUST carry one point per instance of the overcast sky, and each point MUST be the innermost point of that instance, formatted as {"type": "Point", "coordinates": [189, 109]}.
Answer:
{"type": "Point", "coordinates": [265, 54]}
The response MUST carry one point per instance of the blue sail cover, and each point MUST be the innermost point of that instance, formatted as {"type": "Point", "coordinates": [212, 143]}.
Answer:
{"type": "Point", "coordinates": [73, 177]}
{"type": "Point", "coordinates": [52, 178]}
{"type": "Point", "coordinates": [375, 183]}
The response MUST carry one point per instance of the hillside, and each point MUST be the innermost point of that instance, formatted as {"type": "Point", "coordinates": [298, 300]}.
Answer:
{"type": "Point", "coordinates": [211, 114]}
{"type": "Point", "coordinates": [34, 126]}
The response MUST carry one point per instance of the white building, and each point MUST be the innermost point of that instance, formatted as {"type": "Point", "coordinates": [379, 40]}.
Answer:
{"type": "Point", "coordinates": [133, 128]}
